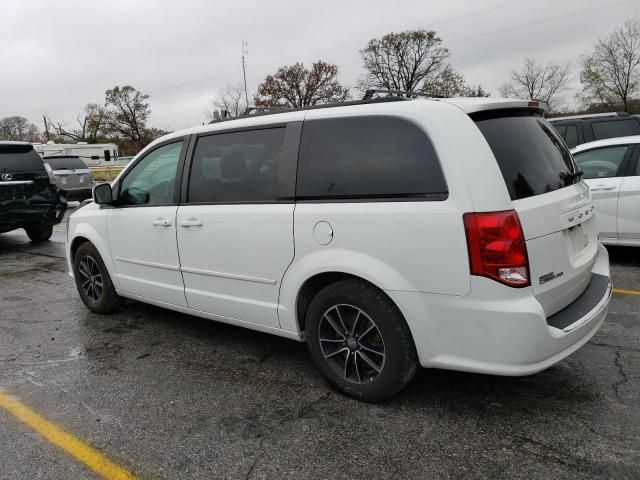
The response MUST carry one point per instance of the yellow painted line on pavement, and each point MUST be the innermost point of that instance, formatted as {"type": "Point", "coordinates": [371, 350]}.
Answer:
{"type": "Point", "coordinates": [625, 291]}
{"type": "Point", "coordinates": [82, 452]}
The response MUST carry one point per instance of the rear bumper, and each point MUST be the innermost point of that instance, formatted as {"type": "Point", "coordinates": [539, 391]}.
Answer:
{"type": "Point", "coordinates": [28, 213]}
{"type": "Point", "coordinates": [500, 331]}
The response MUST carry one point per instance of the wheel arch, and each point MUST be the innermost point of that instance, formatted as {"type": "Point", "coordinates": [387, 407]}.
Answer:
{"type": "Point", "coordinates": [85, 233]}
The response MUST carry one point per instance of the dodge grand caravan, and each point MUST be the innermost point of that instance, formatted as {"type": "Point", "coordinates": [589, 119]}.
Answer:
{"type": "Point", "coordinates": [385, 233]}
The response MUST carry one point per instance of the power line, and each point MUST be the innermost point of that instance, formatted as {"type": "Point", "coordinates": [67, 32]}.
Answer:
{"type": "Point", "coordinates": [524, 25]}
{"type": "Point", "coordinates": [337, 47]}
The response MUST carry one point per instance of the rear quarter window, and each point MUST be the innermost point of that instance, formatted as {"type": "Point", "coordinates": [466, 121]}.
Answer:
{"type": "Point", "coordinates": [531, 155]}
{"type": "Point", "coordinates": [615, 128]}
{"type": "Point", "coordinates": [20, 158]}
{"type": "Point", "coordinates": [367, 157]}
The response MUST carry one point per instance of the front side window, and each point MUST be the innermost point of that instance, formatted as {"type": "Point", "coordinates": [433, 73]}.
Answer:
{"type": "Point", "coordinates": [152, 180]}
{"type": "Point", "coordinates": [601, 162]}
{"type": "Point", "coordinates": [236, 167]}
{"type": "Point", "coordinates": [367, 157]}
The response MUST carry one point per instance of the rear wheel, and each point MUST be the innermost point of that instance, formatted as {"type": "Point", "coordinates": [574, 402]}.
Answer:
{"type": "Point", "coordinates": [93, 281]}
{"type": "Point", "coordinates": [360, 341]}
{"type": "Point", "coordinates": [39, 234]}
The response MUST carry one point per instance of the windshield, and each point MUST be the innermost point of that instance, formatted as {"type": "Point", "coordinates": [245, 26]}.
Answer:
{"type": "Point", "coordinates": [531, 155]}
{"type": "Point", "coordinates": [65, 163]}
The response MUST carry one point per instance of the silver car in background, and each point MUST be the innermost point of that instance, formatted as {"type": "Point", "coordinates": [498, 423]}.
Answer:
{"type": "Point", "coordinates": [71, 175]}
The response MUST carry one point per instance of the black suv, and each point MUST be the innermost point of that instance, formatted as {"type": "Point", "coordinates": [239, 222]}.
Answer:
{"type": "Point", "coordinates": [579, 129]}
{"type": "Point", "coordinates": [29, 198]}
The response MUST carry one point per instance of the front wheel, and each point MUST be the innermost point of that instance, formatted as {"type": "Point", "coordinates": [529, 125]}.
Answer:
{"type": "Point", "coordinates": [93, 281]}
{"type": "Point", "coordinates": [39, 234]}
{"type": "Point", "coordinates": [360, 341]}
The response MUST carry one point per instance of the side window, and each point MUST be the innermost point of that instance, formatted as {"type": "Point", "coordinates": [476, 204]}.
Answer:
{"type": "Point", "coordinates": [571, 136]}
{"type": "Point", "coordinates": [601, 162]}
{"type": "Point", "coordinates": [152, 180]}
{"type": "Point", "coordinates": [362, 157]}
{"type": "Point", "coordinates": [561, 129]}
{"type": "Point", "coordinates": [236, 167]}
{"type": "Point", "coordinates": [615, 128]}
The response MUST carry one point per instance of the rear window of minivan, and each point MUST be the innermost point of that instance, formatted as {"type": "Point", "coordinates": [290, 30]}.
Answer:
{"type": "Point", "coordinates": [531, 155]}
{"type": "Point", "coordinates": [20, 158]}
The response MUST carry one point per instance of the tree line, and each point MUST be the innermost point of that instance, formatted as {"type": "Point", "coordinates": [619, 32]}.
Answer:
{"type": "Point", "coordinates": [418, 61]}
{"type": "Point", "coordinates": [414, 61]}
{"type": "Point", "coordinates": [121, 119]}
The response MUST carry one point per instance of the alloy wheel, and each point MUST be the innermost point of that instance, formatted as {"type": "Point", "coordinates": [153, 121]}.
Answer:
{"type": "Point", "coordinates": [90, 279]}
{"type": "Point", "coordinates": [351, 343]}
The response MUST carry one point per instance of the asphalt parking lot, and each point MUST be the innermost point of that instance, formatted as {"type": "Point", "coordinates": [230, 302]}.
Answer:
{"type": "Point", "coordinates": [165, 395]}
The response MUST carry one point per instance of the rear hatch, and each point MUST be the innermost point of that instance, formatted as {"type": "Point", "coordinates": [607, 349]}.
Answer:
{"type": "Point", "coordinates": [554, 205]}
{"type": "Point", "coordinates": [70, 172]}
{"type": "Point", "coordinates": [23, 178]}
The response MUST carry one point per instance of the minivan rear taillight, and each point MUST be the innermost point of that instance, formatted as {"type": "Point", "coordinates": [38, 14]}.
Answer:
{"type": "Point", "coordinates": [497, 247]}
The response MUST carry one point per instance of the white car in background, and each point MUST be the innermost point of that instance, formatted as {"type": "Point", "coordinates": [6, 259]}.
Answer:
{"type": "Point", "coordinates": [612, 171]}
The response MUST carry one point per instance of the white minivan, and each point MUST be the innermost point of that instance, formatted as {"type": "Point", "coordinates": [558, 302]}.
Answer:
{"type": "Point", "coordinates": [386, 233]}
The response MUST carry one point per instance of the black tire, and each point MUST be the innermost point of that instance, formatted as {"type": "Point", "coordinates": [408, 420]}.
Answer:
{"type": "Point", "coordinates": [395, 354]}
{"type": "Point", "coordinates": [93, 281]}
{"type": "Point", "coordinates": [39, 234]}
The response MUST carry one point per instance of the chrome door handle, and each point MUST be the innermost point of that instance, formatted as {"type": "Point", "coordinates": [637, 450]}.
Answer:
{"type": "Point", "coordinates": [191, 222]}
{"type": "Point", "coordinates": [161, 222]}
{"type": "Point", "coordinates": [598, 189]}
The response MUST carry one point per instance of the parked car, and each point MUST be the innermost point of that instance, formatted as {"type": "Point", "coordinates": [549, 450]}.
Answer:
{"type": "Point", "coordinates": [72, 175]}
{"type": "Point", "coordinates": [386, 233]}
{"type": "Point", "coordinates": [29, 198]}
{"type": "Point", "coordinates": [612, 171]}
{"type": "Point", "coordinates": [579, 129]}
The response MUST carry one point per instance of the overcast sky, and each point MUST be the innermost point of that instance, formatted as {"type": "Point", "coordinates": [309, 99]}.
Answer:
{"type": "Point", "coordinates": [55, 57]}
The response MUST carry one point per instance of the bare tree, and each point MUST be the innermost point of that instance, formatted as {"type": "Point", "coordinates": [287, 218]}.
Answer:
{"type": "Point", "coordinates": [611, 72]}
{"type": "Point", "coordinates": [403, 61]}
{"type": "Point", "coordinates": [544, 82]}
{"type": "Point", "coordinates": [18, 128]}
{"type": "Point", "coordinates": [296, 86]}
{"type": "Point", "coordinates": [228, 102]}
{"type": "Point", "coordinates": [91, 123]}
{"type": "Point", "coordinates": [451, 83]}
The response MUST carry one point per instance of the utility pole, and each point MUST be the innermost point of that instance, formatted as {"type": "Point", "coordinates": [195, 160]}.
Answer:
{"type": "Point", "coordinates": [244, 73]}
{"type": "Point", "coordinates": [46, 127]}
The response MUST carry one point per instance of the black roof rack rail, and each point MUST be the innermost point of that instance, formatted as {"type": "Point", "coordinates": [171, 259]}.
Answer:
{"type": "Point", "coordinates": [260, 111]}
{"type": "Point", "coordinates": [368, 95]}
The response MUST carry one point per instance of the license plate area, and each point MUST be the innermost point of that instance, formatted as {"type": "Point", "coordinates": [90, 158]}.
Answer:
{"type": "Point", "coordinates": [8, 192]}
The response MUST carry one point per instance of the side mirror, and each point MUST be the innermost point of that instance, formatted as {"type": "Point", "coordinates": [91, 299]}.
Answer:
{"type": "Point", "coordinates": [102, 194]}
